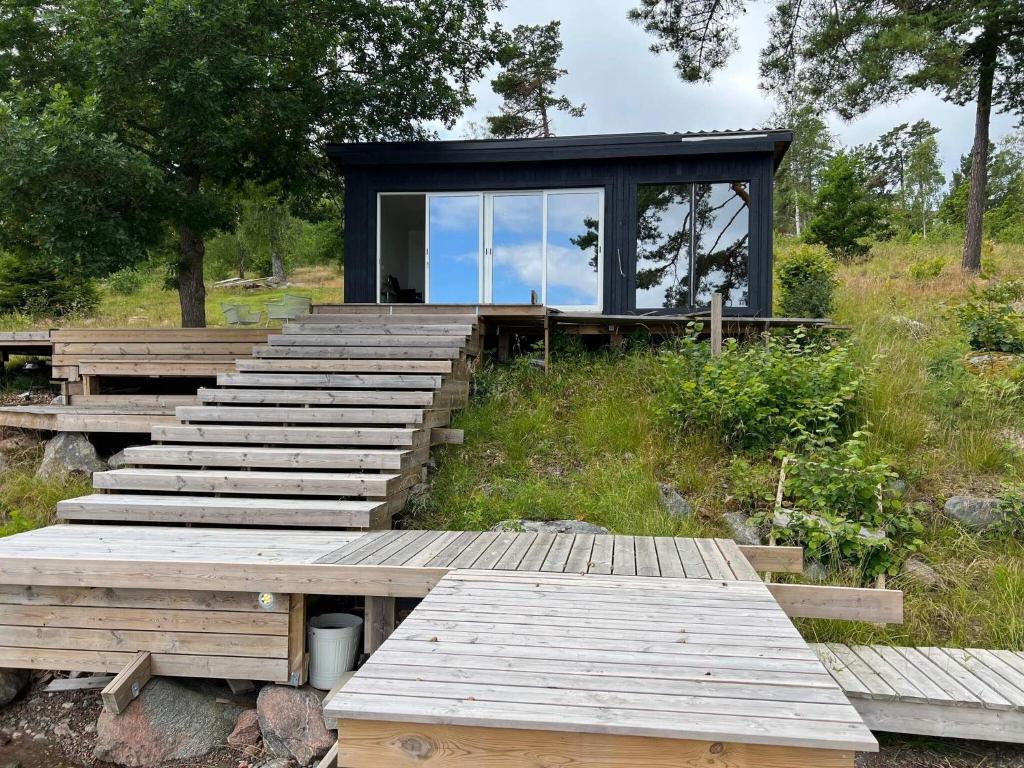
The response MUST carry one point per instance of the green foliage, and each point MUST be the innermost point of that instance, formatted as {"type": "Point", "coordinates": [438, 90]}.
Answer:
{"type": "Point", "coordinates": [758, 396]}
{"type": "Point", "coordinates": [40, 290]}
{"type": "Point", "coordinates": [807, 282]}
{"type": "Point", "coordinates": [526, 83]}
{"type": "Point", "coordinates": [927, 269]}
{"type": "Point", "coordinates": [127, 280]}
{"type": "Point", "coordinates": [1011, 511]}
{"type": "Point", "coordinates": [842, 512]}
{"type": "Point", "coordinates": [846, 213]}
{"type": "Point", "coordinates": [990, 319]}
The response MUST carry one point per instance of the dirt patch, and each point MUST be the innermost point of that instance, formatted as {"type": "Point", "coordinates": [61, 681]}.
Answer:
{"type": "Point", "coordinates": [914, 752]}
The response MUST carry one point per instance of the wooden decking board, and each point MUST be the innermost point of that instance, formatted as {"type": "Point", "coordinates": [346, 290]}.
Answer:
{"type": "Point", "coordinates": [335, 397]}
{"type": "Point", "coordinates": [558, 556]}
{"type": "Point", "coordinates": [490, 557]}
{"type": "Point", "coordinates": [690, 557]}
{"type": "Point", "coordinates": [444, 558]}
{"type": "Point", "coordinates": [579, 556]}
{"type": "Point", "coordinates": [538, 552]}
{"type": "Point", "coordinates": [513, 556]}
{"type": "Point", "coordinates": [379, 381]}
{"type": "Point", "coordinates": [476, 548]}
{"type": "Point", "coordinates": [236, 414]}
{"type": "Point", "coordinates": [246, 456]}
{"type": "Point", "coordinates": [623, 556]}
{"type": "Point", "coordinates": [596, 685]}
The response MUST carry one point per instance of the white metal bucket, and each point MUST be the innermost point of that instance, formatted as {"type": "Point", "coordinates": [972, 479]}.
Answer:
{"type": "Point", "coordinates": [334, 641]}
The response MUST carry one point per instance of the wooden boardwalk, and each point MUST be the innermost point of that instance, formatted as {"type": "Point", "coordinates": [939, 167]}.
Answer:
{"type": "Point", "coordinates": [328, 425]}
{"type": "Point", "coordinates": [660, 673]}
{"type": "Point", "coordinates": [949, 692]}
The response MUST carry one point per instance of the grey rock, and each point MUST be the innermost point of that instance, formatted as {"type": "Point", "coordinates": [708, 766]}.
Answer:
{"type": "Point", "coordinates": [117, 460]}
{"type": "Point", "coordinates": [550, 526]}
{"type": "Point", "coordinates": [917, 571]}
{"type": "Point", "coordinates": [170, 720]}
{"type": "Point", "coordinates": [896, 488]}
{"type": "Point", "coordinates": [12, 682]}
{"type": "Point", "coordinates": [59, 400]}
{"type": "Point", "coordinates": [292, 723]}
{"type": "Point", "coordinates": [974, 512]}
{"type": "Point", "coordinates": [743, 531]}
{"type": "Point", "coordinates": [69, 452]}
{"type": "Point", "coordinates": [915, 328]}
{"type": "Point", "coordinates": [874, 535]}
{"type": "Point", "coordinates": [673, 503]}
{"type": "Point", "coordinates": [277, 762]}
{"type": "Point", "coordinates": [815, 570]}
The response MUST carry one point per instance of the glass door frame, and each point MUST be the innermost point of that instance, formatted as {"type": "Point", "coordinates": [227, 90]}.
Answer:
{"type": "Point", "coordinates": [485, 272]}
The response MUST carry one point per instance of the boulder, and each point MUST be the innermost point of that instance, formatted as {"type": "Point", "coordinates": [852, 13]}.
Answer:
{"type": "Point", "coordinates": [743, 531]}
{"type": "Point", "coordinates": [550, 526]}
{"type": "Point", "coordinates": [974, 512]}
{"type": "Point", "coordinates": [69, 452]}
{"type": "Point", "coordinates": [117, 460]}
{"type": "Point", "coordinates": [917, 571]}
{"type": "Point", "coordinates": [292, 723]}
{"type": "Point", "coordinates": [170, 720]}
{"type": "Point", "coordinates": [12, 682]}
{"type": "Point", "coordinates": [246, 735]}
{"type": "Point", "coordinates": [673, 503]}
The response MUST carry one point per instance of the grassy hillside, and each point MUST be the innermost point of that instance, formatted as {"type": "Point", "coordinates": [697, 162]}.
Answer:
{"type": "Point", "coordinates": [593, 439]}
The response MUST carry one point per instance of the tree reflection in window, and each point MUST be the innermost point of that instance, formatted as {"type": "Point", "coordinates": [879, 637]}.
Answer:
{"type": "Point", "coordinates": [676, 220]}
{"type": "Point", "coordinates": [722, 242]}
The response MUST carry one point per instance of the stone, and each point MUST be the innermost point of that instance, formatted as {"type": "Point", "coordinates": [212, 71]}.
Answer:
{"type": "Point", "coordinates": [743, 531]}
{"type": "Point", "coordinates": [69, 452]}
{"type": "Point", "coordinates": [993, 364]}
{"type": "Point", "coordinates": [873, 535]}
{"type": "Point", "coordinates": [916, 571]}
{"type": "Point", "coordinates": [117, 460]}
{"type": "Point", "coordinates": [59, 400]}
{"type": "Point", "coordinates": [170, 720]}
{"type": "Point", "coordinates": [12, 682]}
{"type": "Point", "coordinates": [896, 488]}
{"type": "Point", "coordinates": [974, 512]}
{"type": "Point", "coordinates": [550, 526]}
{"type": "Point", "coordinates": [246, 735]}
{"type": "Point", "coordinates": [63, 730]}
{"type": "Point", "coordinates": [277, 762]}
{"type": "Point", "coordinates": [292, 723]}
{"type": "Point", "coordinates": [815, 570]}
{"type": "Point", "coordinates": [914, 328]}
{"type": "Point", "coordinates": [673, 503]}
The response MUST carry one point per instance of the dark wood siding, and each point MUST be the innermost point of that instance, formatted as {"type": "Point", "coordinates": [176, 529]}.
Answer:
{"type": "Point", "coordinates": [618, 178]}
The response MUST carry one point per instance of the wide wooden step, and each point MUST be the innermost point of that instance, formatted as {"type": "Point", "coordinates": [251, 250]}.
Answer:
{"type": "Point", "coordinates": [255, 482]}
{"type": "Point", "coordinates": [285, 365]}
{"type": "Point", "coordinates": [220, 510]}
{"type": "Point", "coordinates": [382, 341]}
{"type": "Point", "coordinates": [277, 458]}
{"type": "Point", "coordinates": [330, 380]}
{"type": "Point", "coordinates": [404, 328]}
{"type": "Point", "coordinates": [316, 397]}
{"type": "Point", "coordinates": [229, 414]}
{"type": "Point", "coordinates": [385, 317]}
{"type": "Point", "coordinates": [253, 435]}
{"type": "Point", "coordinates": [352, 353]}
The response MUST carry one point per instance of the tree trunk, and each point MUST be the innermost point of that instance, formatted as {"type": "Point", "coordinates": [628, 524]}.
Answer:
{"type": "Point", "coordinates": [191, 289]}
{"type": "Point", "coordinates": [977, 194]}
{"type": "Point", "coordinates": [277, 266]}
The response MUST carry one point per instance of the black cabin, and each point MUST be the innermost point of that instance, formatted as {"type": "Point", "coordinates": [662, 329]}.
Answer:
{"type": "Point", "coordinates": [648, 223]}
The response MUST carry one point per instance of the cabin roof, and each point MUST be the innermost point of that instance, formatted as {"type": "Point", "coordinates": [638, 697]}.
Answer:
{"type": "Point", "coordinates": [607, 146]}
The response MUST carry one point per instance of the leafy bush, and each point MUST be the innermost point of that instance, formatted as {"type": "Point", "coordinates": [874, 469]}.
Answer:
{"type": "Point", "coordinates": [927, 269]}
{"type": "Point", "coordinates": [126, 281]}
{"type": "Point", "coordinates": [759, 396]}
{"type": "Point", "coordinates": [841, 511]}
{"type": "Point", "coordinates": [37, 289]}
{"type": "Point", "coordinates": [847, 213]}
{"type": "Point", "coordinates": [990, 319]}
{"type": "Point", "coordinates": [807, 283]}
{"type": "Point", "coordinates": [1011, 511]}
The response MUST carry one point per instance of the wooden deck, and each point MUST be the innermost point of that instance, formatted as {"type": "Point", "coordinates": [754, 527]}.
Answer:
{"type": "Point", "coordinates": [948, 692]}
{"type": "Point", "coordinates": [110, 418]}
{"type": "Point", "coordinates": [651, 674]}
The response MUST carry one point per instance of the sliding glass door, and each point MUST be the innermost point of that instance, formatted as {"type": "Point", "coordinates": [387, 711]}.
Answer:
{"type": "Point", "coordinates": [516, 247]}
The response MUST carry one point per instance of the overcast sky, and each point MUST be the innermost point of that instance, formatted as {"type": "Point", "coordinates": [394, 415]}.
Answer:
{"type": "Point", "coordinates": [628, 88]}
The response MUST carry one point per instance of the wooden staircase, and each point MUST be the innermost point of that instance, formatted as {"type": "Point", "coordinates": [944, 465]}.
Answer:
{"type": "Point", "coordinates": [328, 425]}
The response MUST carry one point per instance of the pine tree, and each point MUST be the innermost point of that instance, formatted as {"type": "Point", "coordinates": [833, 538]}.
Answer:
{"type": "Point", "coordinates": [846, 213]}
{"type": "Point", "coordinates": [530, 71]}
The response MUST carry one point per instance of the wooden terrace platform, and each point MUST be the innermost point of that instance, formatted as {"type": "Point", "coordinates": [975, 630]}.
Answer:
{"type": "Point", "coordinates": [596, 671]}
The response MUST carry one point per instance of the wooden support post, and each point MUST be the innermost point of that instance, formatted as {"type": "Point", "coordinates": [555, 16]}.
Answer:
{"type": "Point", "coordinates": [297, 640]}
{"type": "Point", "coordinates": [378, 622]}
{"type": "Point", "coordinates": [504, 345]}
{"type": "Point", "coordinates": [128, 684]}
{"type": "Point", "coordinates": [716, 324]}
{"type": "Point", "coordinates": [547, 340]}
{"type": "Point", "coordinates": [90, 385]}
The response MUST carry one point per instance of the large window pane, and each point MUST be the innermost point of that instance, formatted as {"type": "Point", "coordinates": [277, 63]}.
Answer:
{"type": "Point", "coordinates": [454, 228]}
{"type": "Point", "coordinates": [573, 246]}
{"type": "Point", "coordinates": [722, 242]}
{"type": "Point", "coordinates": [517, 237]}
{"type": "Point", "coordinates": [663, 240]}
{"type": "Point", "coordinates": [402, 248]}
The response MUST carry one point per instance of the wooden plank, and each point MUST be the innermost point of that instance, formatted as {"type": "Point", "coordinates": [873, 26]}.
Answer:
{"type": "Point", "coordinates": [162, 620]}
{"type": "Point", "coordinates": [602, 555]}
{"type": "Point", "coordinates": [646, 557]}
{"type": "Point", "coordinates": [558, 556]}
{"type": "Point", "coordinates": [690, 557]}
{"type": "Point", "coordinates": [517, 550]}
{"type": "Point", "coordinates": [343, 366]}
{"type": "Point", "coordinates": [839, 670]}
{"type": "Point", "coordinates": [876, 685]}
{"type": "Point", "coordinates": [717, 567]}
{"type": "Point", "coordinates": [668, 558]}
{"type": "Point", "coordinates": [453, 550]}
{"type": "Point", "coordinates": [495, 550]}
{"type": "Point", "coordinates": [942, 721]}
{"type": "Point", "coordinates": [379, 341]}
{"type": "Point", "coordinates": [379, 381]}
{"type": "Point", "coordinates": [299, 415]}
{"type": "Point", "coordinates": [911, 672]}
{"type": "Point", "coordinates": [155, 349]}
{"type": "Point", "coordinates": [200, 643]}
{"type": "Point", "coordinates": [331, 758]}
{"type": "Point", "coordinates": [127, 684]}
{"type": "Point", "coordinates": [737, 563]}
{"type": "Point", "coordinates": [881, 606]}
{"type": "Point", "coordinates": [379, 329]}
{"type": "Point", "coordinates": [159, 335]}
{"type": "Point", "coordinates": [445, 436]}
{"type": "Point", "coordinates": [537, 553]}
{"type": "Point", "coordinates": [315, 397]}
{"type": "Point", "coordinates": [474, 550]}
{"type": "Point", "coordinates": [246, 481]}
{"type": "Point", "coordinates": [623, 556]}
{"type": "Point", "coordinates": [579, 555]}
{"type": "Point", "coordinates": [378, 744]}
{"type": "Point", "coordinates": [952, 686]}
{"type": "Point", "coordinates": [90, 683]}
{"type": "Point", "coordinates": [333, 436]}
{"type": "Point", "coordinates": [282, 458]}
{"type": "Point", "coordinates": [297, 665]}
{"type": "Point", "coordinates": [379, 622]}
{"type": "Point", "coordinates": [354, 353]}
{"type": "Point", "coordinates": [775, 559]}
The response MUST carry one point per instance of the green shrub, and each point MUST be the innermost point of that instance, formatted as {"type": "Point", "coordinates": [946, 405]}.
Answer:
{"type": "Point", "coordinates": [1011, 511]}
{"type": "Point", "coordinates": [807, 283]}
{"type": "Point", "coordinates": [927, 269]}
{"type": "Point", "coordinates": [990, 320]}
{"type": "Point", "coordinates": [787, 389]}
{"type": "Point", "coordinates": [126, 281]}
{"type": "Point", "coordinates": [37, 289]}
{"type": "Point", "coordinates": [841, 511]}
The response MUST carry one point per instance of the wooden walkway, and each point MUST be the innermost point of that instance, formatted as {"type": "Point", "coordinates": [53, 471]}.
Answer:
{"type": "Point", "coordinates": [502, 667]}
{"type": "Point", "coordinates": [949, 692]}
{"type": "Point", "coordinates": [328, 425]}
